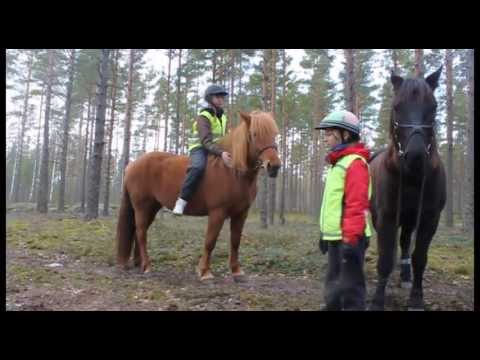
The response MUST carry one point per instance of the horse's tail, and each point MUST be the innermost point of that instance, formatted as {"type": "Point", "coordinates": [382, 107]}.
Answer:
{"type": "Point", "coordinates": [125, 229]}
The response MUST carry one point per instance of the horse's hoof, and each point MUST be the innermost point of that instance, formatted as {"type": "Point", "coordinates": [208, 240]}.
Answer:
{"type": "Point", "coordinates": [406, 284]}
{"type": "Point", "coordinates": [207, 276]}
{"type": "Point", "coordinates": [146, 269]}
{"type": "Point", "coordinates": [240, 277]}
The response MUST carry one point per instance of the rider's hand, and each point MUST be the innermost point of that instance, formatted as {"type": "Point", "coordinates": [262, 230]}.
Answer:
{"type": "Point", "coordinates": [227, 158]}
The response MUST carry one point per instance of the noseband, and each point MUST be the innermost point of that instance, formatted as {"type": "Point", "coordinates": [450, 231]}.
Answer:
{"type": "Point", "coordinates": [417, 129]}
{"type": "Point", "coordinates": [258, 162]}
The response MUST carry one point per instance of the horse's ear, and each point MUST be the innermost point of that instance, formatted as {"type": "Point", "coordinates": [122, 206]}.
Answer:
{"type": "Point", "coordinates": [397, 80]}
{"type": "Point", "coordinates": [432, 79]}
{"type": "Point", "coordinates": [245, 117]}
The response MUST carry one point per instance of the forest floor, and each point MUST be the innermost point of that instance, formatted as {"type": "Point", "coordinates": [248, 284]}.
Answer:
{"type": "Point", "coordinates": [61, 262]}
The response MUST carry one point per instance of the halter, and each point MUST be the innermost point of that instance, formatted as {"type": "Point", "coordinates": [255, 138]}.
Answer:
{"type": "Point", "coordinates": [417, 129]}
{"type": "Point", "coordinates": [258, 162]}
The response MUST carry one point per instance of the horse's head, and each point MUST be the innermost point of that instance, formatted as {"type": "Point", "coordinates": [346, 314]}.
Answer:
{"type": "Point", "coordinates": [262, 148]}
{"type": "Point", "coordinates": [413, 119]}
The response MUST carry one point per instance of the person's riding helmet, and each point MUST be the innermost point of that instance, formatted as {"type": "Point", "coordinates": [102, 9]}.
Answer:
{"type": "Point", "coordinates": [341, 119]}
{"type": "Point", "coordinates": [214, 90]}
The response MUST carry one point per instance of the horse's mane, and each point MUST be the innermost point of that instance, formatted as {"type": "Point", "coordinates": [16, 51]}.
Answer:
{"type": "Point", "coordinates": [412, 90]}
{"type": "Point", "coordinates": [262, 127]}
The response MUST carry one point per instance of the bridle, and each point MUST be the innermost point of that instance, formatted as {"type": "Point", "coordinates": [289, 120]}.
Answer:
{"type": "Point", "coordinates": [258, 162]}
{"type": "Point", "coordinates": [417, 129]}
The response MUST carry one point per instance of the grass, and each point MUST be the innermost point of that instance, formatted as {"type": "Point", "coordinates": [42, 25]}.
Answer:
{"type": "Point", "coordinates": [290, 250]}
{"type": "Point", "coordinates": [177, 243]}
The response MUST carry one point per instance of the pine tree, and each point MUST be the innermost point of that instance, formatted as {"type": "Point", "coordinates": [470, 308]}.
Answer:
{"type": "Point", "coordinates": [128, 117]}
{"type": "Point", "coordinates": [114, 67]}
{"type": "Point", "coordinates": [66, 129]}
{"type": "Point", "coordinates": [449, 83]}
{"type": "Point", "coordinates": [350, 85]}
{"type": "Point", "coordinates": [21, 137]}
{"type": "Point", "coordinates": [96, 161]}
{"type": "Point", "coordinates": [42, 199]}
{"type": "Point", "coordinates": [419, 65]}
{"type": "Point", "coordinates": [468, 211]}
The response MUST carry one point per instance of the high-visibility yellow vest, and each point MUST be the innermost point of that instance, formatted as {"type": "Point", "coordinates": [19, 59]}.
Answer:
{"type": "Point", "coordinates": [332, 203]}
{"type": "Point", "coordinates": [218, 129]}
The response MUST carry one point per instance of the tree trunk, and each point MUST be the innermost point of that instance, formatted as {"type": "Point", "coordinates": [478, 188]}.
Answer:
{"type": "Point", "coordinates": [42, 199]}
{"type": "Point", "coordinates": [177, 118]}
{"type": "Point", "coordinates": [79, 150]}
{"type": "Point", "coordinates": [351, 98]}
{"type": "Point", "coordinates": [468, 219]}
{"type": "Point", "coordinates": [96, 160]}
{"type": "Point", "coordinates": [232, 81]}
{"type": "Point", "coordinates": [284, 140]}
{"type": "Point", "coordinates": [128, 117]}
{"type": "Point", "coordinates": [106, 200]}
{"type": "Point", "coordinates": [419, 67]}
{"type": "Point", "coordinates": [14, 170]}
{"type": "Point", "coordinates": [266, 106]}
{"type": "Point", "coordinates": [66, 125]}
{"type": "Point", "coordinates": [395, 61]}
{"type": "Point", "coordinates": [33, 192]}
{"type": "Point", "coordinates": [18, 168]}
{"type": "Point", "coordinates": [54, 165]}
{"type": "Point", "coordinates": [167, 110]}
{"type": "Point", "coordinates": [145, 131]}
{"type": "Point", "coordinates": [84, 173]}
{"type": "Point", "coordinates": [92, 129]}
{"type": "Point", "coordinates": [459, 183]}
{"type": "Point", "coordinates": [214, 66]}
{"type": "Point", "coordinates": [272, 193]}
{"type": "Point", "coordinates": [449, 209]}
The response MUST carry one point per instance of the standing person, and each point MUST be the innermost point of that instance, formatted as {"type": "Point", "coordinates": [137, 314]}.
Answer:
{"type": "Point", "coordinates": [209, 126]}
{"type": "Point", "coordinates": [344, 216]}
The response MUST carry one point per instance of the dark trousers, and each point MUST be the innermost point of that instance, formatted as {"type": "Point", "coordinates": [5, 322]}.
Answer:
{"type": "Point", "coordinates": [345, 282]}
{"type": "Point", "coordinates": [195, 173]}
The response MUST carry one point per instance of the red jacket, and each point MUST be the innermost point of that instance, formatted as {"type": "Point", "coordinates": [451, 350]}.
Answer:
{"type": "Point", "coordinates": [355, 200]}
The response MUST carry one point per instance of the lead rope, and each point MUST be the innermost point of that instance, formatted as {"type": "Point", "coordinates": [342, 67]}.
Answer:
{"type": "Point", "coordinates": [420, 206]}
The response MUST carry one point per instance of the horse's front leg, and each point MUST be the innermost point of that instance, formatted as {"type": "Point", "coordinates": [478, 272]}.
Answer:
{"type": "Point", "coordinates": [405, 261]}
{"type": "Point", "coordinates": [215, 222]}
{"type": "Point", "coordinates": [386, 240]}
{"type": "Point", "coordinates": [426, 230]}
{"type": "Point", "coordinates": [236, 226]}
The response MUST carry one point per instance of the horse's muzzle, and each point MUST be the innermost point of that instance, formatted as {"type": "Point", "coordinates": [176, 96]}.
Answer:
{"type": "Point", "coordinates": [273, 170]}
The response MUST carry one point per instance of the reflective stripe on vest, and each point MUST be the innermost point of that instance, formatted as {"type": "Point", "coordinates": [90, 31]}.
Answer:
{"type": "Point", "coordinates": [217, 125]}
{"type": "Point", "coordinates": [332, 202]}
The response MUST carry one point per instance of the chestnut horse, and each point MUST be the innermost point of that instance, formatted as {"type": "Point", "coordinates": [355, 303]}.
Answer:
{"type": "Point", "coordinates": [409, 188]}
{"type": "Point", "coordinates": [153, 181]}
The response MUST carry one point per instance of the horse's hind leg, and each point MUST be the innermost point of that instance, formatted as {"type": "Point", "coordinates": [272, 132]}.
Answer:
{"type": "Point", "coordinates": [419, 259]}
{"type": "Point", "coordinates": [405, 262]}
{"type": "Point", "coordinates": [236, 227]}
{"type": "Point", "coordinates": [136, 253]}
{"type": "Point", "coordinates": [143, 219]}
{"type": "Point", "coordinates": [215, 223]}
{"type": "Point", "coordinates": [386, 258]}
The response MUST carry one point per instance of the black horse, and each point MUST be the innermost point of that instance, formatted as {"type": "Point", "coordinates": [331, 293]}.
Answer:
{"type": "Point", "coordinates": [409, 188]}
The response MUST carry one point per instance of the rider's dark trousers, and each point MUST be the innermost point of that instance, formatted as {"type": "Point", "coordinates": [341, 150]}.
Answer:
{"type": "Point", "coordinates": [195, 173]}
